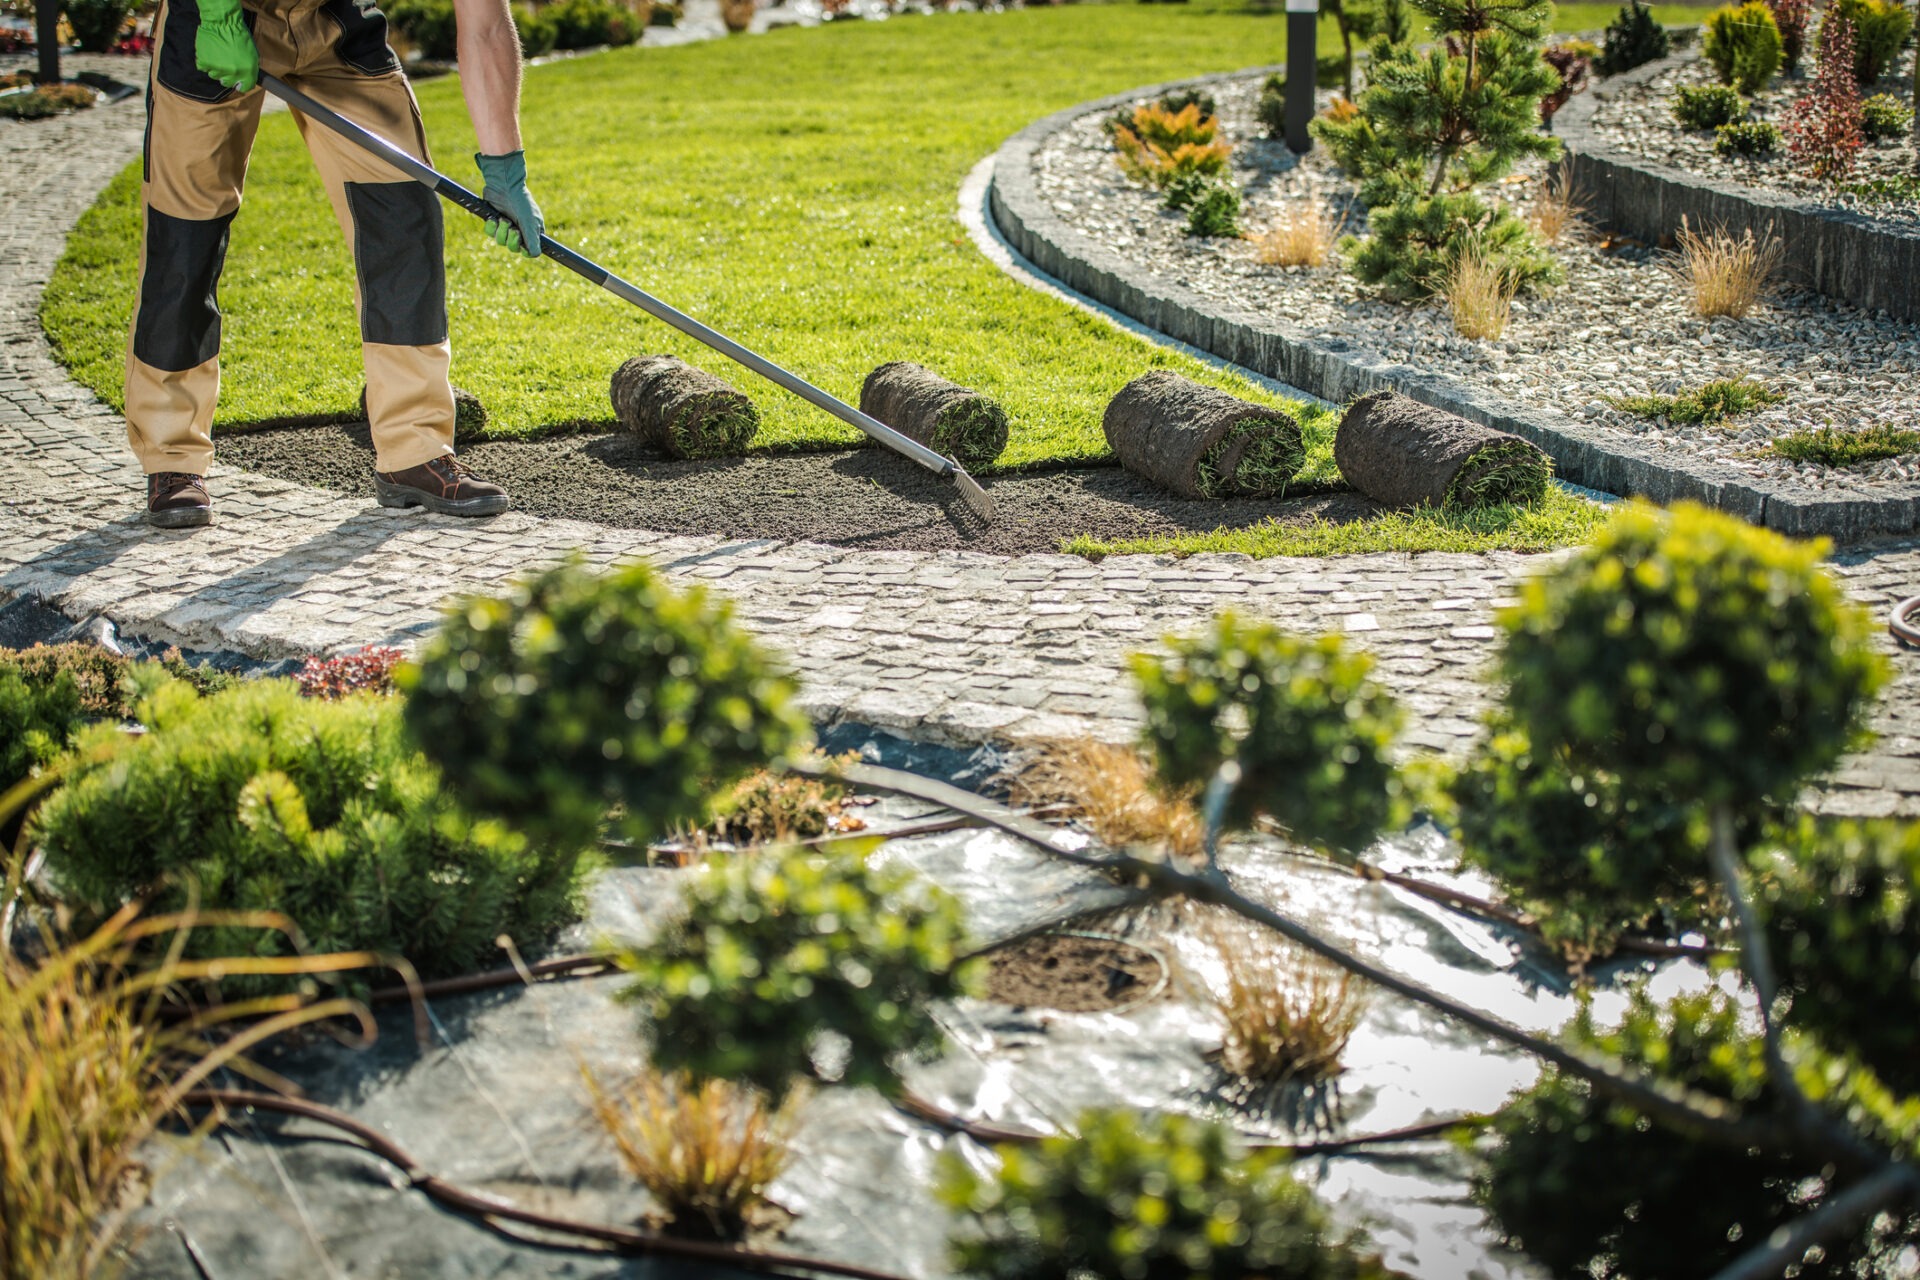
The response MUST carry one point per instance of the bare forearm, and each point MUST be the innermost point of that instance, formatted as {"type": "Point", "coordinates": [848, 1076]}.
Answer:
{"type": "Point", "coordinates": [490, 72]}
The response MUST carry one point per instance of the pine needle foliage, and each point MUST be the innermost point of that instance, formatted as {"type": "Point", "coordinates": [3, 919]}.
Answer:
{"type": "Point", "coordinates": [264, 800]}
{"type": "Point", "coordinates": [1705, 405]}
{"type": "Point", "coordinates": [1832, 447]}
{"type": "Point", "coordinates": [1633, 39]}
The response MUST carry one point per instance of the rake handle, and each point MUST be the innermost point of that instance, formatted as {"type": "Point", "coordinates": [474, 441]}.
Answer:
{"type": "Point", "coordinates": [594, 273]}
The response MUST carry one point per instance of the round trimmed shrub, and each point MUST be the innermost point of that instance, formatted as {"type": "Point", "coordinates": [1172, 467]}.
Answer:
{"type": "Point", "coordinates": [578, 693]}
{"type": "Point", "coordinates": [1589, 1187]}
{"type": "Point", "coordinates": [1744, 44]}
{"type": "Point", "coordinates": [776, 953]}
{"type": "Point", "coordinates": [1748, 138]}
{"type": "Point", "coordinates": [429, 25]}
{"type": "Point", "coordinates": [1884, 118]}
{"type": "Point", "coordinates": [537, 34]}
{"type": "Point", "coordinates": [1880, 28]}
{"type": "Point", "coordinates": [265, 800]}
{"type": "Point", "coordinates": [1693, 657]}
{"type": "Point", "coordinates": [1159, 1196]}
{"type": "Point", "coordinates": [1707, 106]}
{"type": "Point", "coordinates": [1841, 904]}
{"type": "Point", "coordinates": [1314, 754]}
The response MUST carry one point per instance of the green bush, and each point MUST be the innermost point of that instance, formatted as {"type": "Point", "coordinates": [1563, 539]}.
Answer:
{"type": "Point", "coordinates": [1588, 860]}
{"type": "Point", "coordinates": [97, 23]}
{"type": "Point", "coordinates": [1831, 447]}
{"type": "Point", "coordinates": [1272, 106]}
{"type": "Point", "coordinates": [1215, 210]}
{"type": "Point", "coordinates": [1884, 118]}
{"type": "Point", "coordinates": [1314, 754]}
{"type": "Point", "coordinates": [428, 25]}
{"type": "Point", "coordinates": [1184, 189]}
{"type": "Point", "coordinates": [260, 799]}
{"type": "Point", "coordinates": [1592, 1188]}
{"type": "Point", "coordinates": [37, 720]}
{"type": "Point", "coordinates": [1707, 106]}
{"type": "Point", "coordinates": [1177, 102]}
{"type": "Point", "coordinates": [581, 24]}
{"type": "Point", "coordinates": [1159, 1196]}
{"type": "Point", "coordinates": [776, 952]}
{"type": "Point", "coordinates": [1633, 40]}
{"type": "Point", "coordinates": [1743, 43]}
{"type": "Point", "coordinates": [1748, 138]}
{"type": "Point", "coordinates": [1841, 904]}
{"type": "Point", "coordinates": [579, 692]}
{"type": "Point", "coordinates": [1880, 27]}
{"type": "Point", "coordinates": [537, 31]}
{"type": "Point", "coordinates": [1693, 657]}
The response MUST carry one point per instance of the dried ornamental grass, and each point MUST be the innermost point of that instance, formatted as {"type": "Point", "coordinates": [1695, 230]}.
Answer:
{"type": "Point", "coordinates": [1303, 238]}
{"type": "Point", "coordinates": [1728, 277]}
{"type": "Point", "coordinates": [1558, 213]}
{"type": "Point", "coordinates": [707, 1152]}
{"type": "Point", "coordinates": [1479, 293]}
{"type": "Point", "coordinates": [1289, 1014]}
{"type": "Point", "coordinates": [1113, 790]}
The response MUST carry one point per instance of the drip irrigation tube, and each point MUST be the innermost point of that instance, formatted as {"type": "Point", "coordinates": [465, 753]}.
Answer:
{"type": "Point", "coordinates": [1905, 622]}
{"type": "Point", "coordinates": [492, 1210]}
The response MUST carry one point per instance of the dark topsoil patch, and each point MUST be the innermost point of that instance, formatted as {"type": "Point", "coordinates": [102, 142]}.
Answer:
{"type": "Point", "coordinates": [1073, 973]}
{"type": "Point", "coordinates": [853, 498]}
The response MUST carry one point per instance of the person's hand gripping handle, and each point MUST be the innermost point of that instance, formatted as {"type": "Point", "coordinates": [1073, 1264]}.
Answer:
{"type": "Point", "coordinates": [519, 225]}
{"type": "Point", "coordinates": [223, 47]}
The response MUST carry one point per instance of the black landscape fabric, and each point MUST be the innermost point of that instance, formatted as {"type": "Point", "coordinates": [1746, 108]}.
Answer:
{"type": "Point", "coordinates": [1199, 442]}
{"type": "Point", "coordinates": [1402, 453]}
{"type": "Point", "coordinates": [949, 419]}
{"type": "Point", "coordinates": [683, 411]}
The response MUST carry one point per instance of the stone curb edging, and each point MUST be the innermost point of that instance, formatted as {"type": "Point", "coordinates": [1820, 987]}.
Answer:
{"type": "Point", "coordinates": [1587, 455]}
{"type": "Point", "coordinates": [1838, 253]}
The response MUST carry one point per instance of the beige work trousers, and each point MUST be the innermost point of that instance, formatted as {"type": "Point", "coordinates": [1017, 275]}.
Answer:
{"type": "Point", "coordinates": [199, 136]}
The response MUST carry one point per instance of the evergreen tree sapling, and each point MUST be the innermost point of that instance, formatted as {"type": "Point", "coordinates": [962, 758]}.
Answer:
{"type": "Point", "coordinates": [1823, 130]}
{"type": "Point", "coordinates": [1436, 124]}
{"type": "Point", "coordinates": [1633, 40]}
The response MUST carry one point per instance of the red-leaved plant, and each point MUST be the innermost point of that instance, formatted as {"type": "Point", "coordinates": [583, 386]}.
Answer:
{"type": "Point", "coordinates": [1792, 17]}
{"type": "Point", "coordinates": [369, 670]}
{"type": "Point", "coordinates": [1823, 131]}
{"type": "Point", "coordinates": [1572, 67]}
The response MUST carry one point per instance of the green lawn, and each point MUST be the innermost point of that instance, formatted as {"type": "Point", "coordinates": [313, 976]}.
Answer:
{"type": "Point", "coordinates": [796, 190]}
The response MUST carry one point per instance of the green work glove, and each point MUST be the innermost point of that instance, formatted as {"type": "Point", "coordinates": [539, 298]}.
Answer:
{"type": "Point", "coordinates": [223, 47]}
{"type": "Point", "coordinates": [519, 225]}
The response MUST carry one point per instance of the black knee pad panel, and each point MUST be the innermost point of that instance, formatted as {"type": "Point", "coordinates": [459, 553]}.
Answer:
{"type": "Point", "coordinates": [178, 326]}
{"type": "Point", "coordinates": [399, 251]}
{"type": "Point", "coordinates": [363, 36]}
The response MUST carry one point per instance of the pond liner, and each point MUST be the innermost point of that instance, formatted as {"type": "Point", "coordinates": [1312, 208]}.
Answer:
{"type": "Point", "coordinates": [1199, 442]}
{"type": "Point", "coordinates": [682, 411]}
{"type": "Point", "coordinates": [952, 420]}
{"type": "Point", "coordinates": [1402, 453]}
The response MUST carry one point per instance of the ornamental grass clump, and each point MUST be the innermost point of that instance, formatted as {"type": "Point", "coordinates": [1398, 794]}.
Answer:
{"type": "Point", "coordinates": [1726, 276]}
{"type": "Point", "coordinates": [579, 693]}
{"type": "Point", "coordinates": [1304, 237]}
{"type": "Point", "coordinates": [1558, 213]}
{"type": "Point", "coordinates": [1289, 1015]}
{"type": "Point", "coordinates": [1313, 755]}
{"type": "Point", "coordinates": [1155, 1195]}
{"type": "Point", "coordinates": [258, 799]}
{"type": "Point", "coordinates": [1633, 39]}
{"type": "Point", "coordinates": [1479, 294]}
{"type": "Point", "coordinates": [783, 961]}
{"type": "Point", "coordinates": [1824, 128]}
{"type": "Point", "coordinates": [1112, 789]}
{"type": "Point", "coordinates": [707, 1151]}
{"type": "Point", "coordinates": [1742, 43]}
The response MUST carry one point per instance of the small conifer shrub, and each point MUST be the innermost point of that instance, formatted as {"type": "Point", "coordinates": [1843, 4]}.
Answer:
{"type": "Point", "coordinates": [777, 952]}
{"type": "Point", "coordinates": [260, 799]}
{"type": "Point", "coordinates": [579, 692]}
{"type": "Point", "coordinates": [1835, 448]}
{"type": "Point", "coordinates": [1314, 754]}
{"type": "Point", "coordinates": [1215, 211]}
{"type": "Point", "coordinates": [1271, 109]}
{"type": "Point", "coordinates": [1707, 106]}
{"type": "Point", "coordinates": [1199, 99]}
{"type": "Point", "coordinates": [1878, 28]}
{"type": "Point", "coordinates": [1633, 40]}
{"type": "Point", "coordinates": [1743, 44]}
{"type": "Point", "coordinates": [1157, 1195]}
{"type": "Point", "coordinates": [1748, 138]}
{"type": "Point", "coordinates": [1692, 657]}
{"type": "Point", "coordinates": [36, 722]}
{"type": "Point", "coordinates": [1157, 146]}
{"type": "Point", "coordinates": [1704, 405]}
{"type": "Point", "coordinates": [1824, 128]}
{"type": "Point", "coordinates": [1884, 118]}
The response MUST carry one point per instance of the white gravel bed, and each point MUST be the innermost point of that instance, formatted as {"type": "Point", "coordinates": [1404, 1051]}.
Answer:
{"type": "Point", "coordinates": [1638, 121]}
{"type": "Point", "coordinates": [1620, 326]}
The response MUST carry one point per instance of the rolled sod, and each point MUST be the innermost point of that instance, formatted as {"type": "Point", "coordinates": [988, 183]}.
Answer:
{"type": "Point", "coordinates": [683, 411]}
{"type": "Point", "coordinates": [469, 415]}
{"type": "Point", "coordinates": [944, 416]}
{"type": "Point", "coordinates": [1202, 443]}
{"type": "Point", "coordinates": [1402, 453]}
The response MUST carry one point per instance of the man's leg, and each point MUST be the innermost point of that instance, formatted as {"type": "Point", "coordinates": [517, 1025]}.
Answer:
{"type": "Point", "coordinates": [199, 134]}
{"type": "Point", "coordinates": [393, 226]}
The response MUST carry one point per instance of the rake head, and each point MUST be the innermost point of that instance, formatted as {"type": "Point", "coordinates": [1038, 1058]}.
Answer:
{"type": "Point", "coordinates": [975, 497]}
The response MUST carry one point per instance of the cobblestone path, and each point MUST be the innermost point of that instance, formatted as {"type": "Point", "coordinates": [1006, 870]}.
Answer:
{"type": "Point", "coordinates": [946, 646]}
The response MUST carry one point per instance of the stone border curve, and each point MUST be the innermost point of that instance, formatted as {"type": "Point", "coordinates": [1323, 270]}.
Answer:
{"type": "Point", "coordinates": [1844, 255]}
{"type": "Point", "coordinates": [1333, 370]}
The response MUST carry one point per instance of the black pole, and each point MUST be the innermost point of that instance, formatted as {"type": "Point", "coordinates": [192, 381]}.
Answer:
{"type": "Point", "coordinates": [1303, 31]}
{"type": "Point", "coordinates": [46, 38]}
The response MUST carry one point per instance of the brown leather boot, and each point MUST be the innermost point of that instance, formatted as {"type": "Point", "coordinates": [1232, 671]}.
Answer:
{"type": "Point", "coordinates": [440, 484]}
{"type": "Point", "coordinates": [177, 500]}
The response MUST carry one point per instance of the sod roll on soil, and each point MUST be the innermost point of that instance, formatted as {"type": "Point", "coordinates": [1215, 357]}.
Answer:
{"type": "Point", "coordinates": [944, 416]}
{"type": "Point", "coordinates": [1199, 442]}
{"type": "Point", "coordinates": [1402, 453]}
{"type": "Point", "coordinates": [683, 411]}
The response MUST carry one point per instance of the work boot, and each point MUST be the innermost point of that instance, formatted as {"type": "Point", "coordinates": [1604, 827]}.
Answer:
{"type": "Point", "coordinates": [177, 500]}
{"type": "Point", "coordinates": [440, 484]}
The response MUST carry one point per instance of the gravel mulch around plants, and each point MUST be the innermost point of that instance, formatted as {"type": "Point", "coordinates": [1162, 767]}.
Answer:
{"type": "Point", "coordinates": [1637, 121]}
{"type": "Point", "coordinates": [1621, 326]}
{"type": "Point", "coordinates": [854, 498]}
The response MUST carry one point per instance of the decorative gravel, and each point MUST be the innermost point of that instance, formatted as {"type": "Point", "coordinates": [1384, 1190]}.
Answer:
{"type": "Point", "coordinates": [1637, 120]}
{"type": "Point", "coordinates": [1621, 325]}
